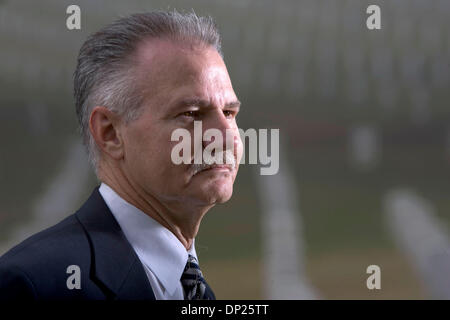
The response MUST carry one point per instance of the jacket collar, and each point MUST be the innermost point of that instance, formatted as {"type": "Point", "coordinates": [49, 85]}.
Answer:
{"type": "Point", "coordinates": [113, 260]}
{"type": "Point", "coordinates": [157, 247]}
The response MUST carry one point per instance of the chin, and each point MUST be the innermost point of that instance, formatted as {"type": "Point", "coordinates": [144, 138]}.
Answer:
{"type": "Point", "coordinates": [213, 187]}
{"type": "Point", "coordinates": [217, 192]}
{"type": "Point", "coordinates": [212, 199]}
{"type": "Point", "coordinates": [223, 197]}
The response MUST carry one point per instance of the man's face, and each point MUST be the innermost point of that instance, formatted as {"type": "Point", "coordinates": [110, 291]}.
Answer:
{"type": "Point", "coordinates": [181, 85]}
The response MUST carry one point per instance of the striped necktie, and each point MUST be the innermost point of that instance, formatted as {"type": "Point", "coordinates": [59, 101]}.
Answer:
{"type": "Point", "coordinates": [194, 284]}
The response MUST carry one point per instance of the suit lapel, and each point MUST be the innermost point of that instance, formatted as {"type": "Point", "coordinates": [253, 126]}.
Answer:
{"type": "Point", "coordinates": [114, 266]}
{"type": "Point", "coordinates": [209, 294]}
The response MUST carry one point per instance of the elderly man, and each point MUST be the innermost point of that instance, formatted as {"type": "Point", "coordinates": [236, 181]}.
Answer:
{"type": "Point", "coordinates": [138, 80]}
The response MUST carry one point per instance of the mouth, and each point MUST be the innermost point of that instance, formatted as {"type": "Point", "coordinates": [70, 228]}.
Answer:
{"type": "Point", "coordinates": [216, 167]}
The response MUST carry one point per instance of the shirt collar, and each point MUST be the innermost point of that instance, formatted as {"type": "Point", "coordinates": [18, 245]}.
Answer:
{"type": "Point", "coordinates": [157, 247]}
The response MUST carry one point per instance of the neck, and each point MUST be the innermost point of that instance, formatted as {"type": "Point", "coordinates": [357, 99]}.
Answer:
{"type": "Point", "coordinates": [179, 218]}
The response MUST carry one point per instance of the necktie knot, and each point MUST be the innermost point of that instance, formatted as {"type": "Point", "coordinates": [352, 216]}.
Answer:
{"type": "Point", "coordinates": [194, 284]}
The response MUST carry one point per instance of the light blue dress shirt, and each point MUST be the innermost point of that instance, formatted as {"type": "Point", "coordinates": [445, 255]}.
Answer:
{"type": "Point", "coordinates": [162, 255]}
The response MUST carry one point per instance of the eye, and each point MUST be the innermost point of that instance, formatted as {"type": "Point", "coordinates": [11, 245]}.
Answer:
{"type": "Point", "coordinates": [190, 114]}
{"type": "Point", "coordinates": [229, 113]}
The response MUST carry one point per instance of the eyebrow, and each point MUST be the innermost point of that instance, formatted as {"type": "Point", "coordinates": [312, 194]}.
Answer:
{"type": "Point", "coordinates": [204, 103]}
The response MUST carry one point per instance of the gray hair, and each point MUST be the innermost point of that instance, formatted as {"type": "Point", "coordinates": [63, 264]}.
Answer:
{"type": "Point", "coordinates": [104, 73]}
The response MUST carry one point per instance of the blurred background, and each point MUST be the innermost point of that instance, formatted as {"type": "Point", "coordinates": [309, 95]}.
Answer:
{"type": "Point", "coordinates": [364, 141]}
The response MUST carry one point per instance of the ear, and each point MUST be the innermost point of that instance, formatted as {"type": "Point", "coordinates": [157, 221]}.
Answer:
{"type": "Point", "coordinates": [105, 127]}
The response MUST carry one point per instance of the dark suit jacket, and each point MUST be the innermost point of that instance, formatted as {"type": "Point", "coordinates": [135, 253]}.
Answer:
{"type": "Point", "coordinates": [36, 269]}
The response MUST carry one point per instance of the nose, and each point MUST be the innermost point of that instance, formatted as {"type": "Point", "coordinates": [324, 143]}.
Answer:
{"type": "Point", "coordinates": [220, 122]}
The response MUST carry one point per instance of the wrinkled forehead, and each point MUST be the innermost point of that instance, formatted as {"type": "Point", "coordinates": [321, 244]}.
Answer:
{"type": "Point", "coordinates": [166, 64]}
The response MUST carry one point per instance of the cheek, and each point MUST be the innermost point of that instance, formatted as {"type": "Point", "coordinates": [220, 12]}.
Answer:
{"type": "Point", "coordinates": [148, 157]}
{"type": "Point", "coordinates": [143, 150]}
{"type": "Point", "coordinates": [238, 146]}
{"type": "Point", "coordinates": [239, 149]}
{"type": "Point", "coordinates": [158, 154]}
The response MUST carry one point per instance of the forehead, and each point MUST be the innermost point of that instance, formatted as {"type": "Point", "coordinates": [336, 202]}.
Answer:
{"type": "Point", "coordinates": [168, 68]}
